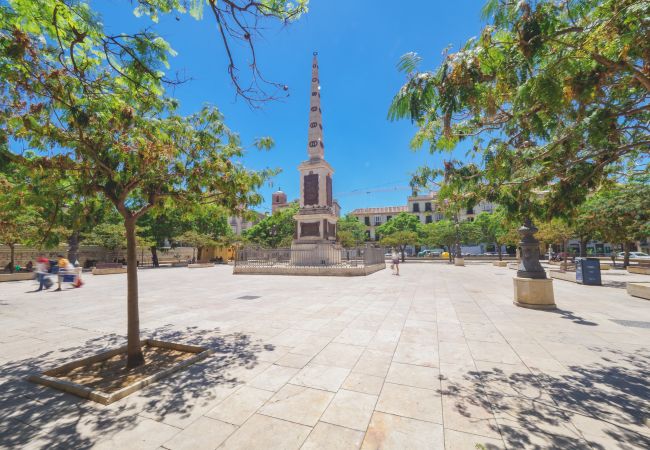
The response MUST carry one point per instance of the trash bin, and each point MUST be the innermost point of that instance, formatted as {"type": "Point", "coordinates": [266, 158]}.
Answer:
{"type": "Point", "coordinates": [588, 271]}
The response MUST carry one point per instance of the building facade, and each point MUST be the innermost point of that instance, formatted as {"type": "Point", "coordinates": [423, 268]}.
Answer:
{"type": "Point", "coordinates": [424, 206]}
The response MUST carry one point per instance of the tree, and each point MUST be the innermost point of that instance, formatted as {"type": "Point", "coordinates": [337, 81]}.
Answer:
{"type": "Point", "coordinates": [399, 240]}
{"type": "Point", "coordinates": [400, 231]}
{"type": "Point", "coordinates": [350, 231]}
{"type": "Point", "coordinates": [162, 226]}
{"type": "Point", "coordinates": [207, 226]}
{"type": "Point", "coordinates": [90, 105]}
{"type": "Point", "coordinates": [552, 97]}
{"type": "Point", "coordinates": [496, 228]}
{"type": "Point", "coordinates": [20, 222]}
{"type": "Point", "coordinates": [557, 231]}
{"type": "Point", "coordinates": [274, 231]}
{"type": "Point", "coordinates": [448, 234]}
{"type": "Point", "coordinates": [620, 214]}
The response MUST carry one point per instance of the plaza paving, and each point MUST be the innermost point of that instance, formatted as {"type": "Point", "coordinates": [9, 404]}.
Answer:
{"type": "Point", "coordinates": [436, 358]}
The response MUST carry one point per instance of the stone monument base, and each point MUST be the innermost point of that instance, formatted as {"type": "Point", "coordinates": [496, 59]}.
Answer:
{"type": "Point", "coordinates": [534, 293]}
{"type": "Point", "coordinates": [459, 261]}
{"type": "Point", "coordinates": [319, 253]}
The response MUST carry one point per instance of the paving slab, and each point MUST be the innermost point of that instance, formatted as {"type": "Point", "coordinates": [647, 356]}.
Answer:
{"type": "Point", "coordinates": [436, 357]}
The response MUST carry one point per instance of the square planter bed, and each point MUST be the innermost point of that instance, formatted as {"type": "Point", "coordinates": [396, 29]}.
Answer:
{"type": "Point", "coordinates": [103, 378]}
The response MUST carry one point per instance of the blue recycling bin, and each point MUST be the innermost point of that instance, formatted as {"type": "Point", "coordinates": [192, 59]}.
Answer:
{"type": "Point", "coordinates": [588, 271]}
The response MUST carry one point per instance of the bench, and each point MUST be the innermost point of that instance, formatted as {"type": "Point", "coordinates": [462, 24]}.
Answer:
{"type": "Point", "coordinates": [641, 267]}
{"type": "Point", "coordinates": [108, 268]}
{"type": "Point", "coordinates": [107, 265]}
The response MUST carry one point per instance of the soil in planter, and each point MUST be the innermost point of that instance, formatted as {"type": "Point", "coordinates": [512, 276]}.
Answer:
{"type": "Point", "coordinates": [110, 375]}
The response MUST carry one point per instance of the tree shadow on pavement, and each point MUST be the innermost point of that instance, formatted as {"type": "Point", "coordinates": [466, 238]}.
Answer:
{"type": "Point", "coordinates": [570, 315]}
{"type": "Point", "coordinates": [593, 406]}
{"type": "Point", "coordinates": [43, 417]}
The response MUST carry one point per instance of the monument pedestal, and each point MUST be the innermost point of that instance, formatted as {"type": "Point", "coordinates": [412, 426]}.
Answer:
{"type": "Point", "coordinates": [459, 261]}
{"type": "Point", "coordinates": [317, 253]}
{"type": "Point", "coordinates": [534, 293]}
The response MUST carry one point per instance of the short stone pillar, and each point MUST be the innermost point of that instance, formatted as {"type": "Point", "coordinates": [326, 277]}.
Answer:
{"type": "Point", "coordinates": [532, 288]}
{"type": "Point", "coordinates": [534, 293]}
{"type": "Point", "coordinates": [459, 261]}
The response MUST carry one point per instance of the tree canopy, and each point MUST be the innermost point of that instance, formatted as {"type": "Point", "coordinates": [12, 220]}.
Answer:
{"type": "Point", "coordinates": [551, 97]}
{"type": "Point", "coordinates": [402, 230]}
{"type": "Point", "coordinates": [350, 231]}
{"type": "Point", "coordinates": [274, 231]}
{"type": "Point", "coordinates": [83, 103]}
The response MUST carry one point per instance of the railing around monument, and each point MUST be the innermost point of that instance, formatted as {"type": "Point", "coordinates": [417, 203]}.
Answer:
{"type": "Point", "coordinates": [319, 257]}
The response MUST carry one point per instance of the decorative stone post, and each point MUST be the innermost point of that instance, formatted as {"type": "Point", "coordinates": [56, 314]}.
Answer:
{"type": "Point", "coordinates": [529, 265]}
{"type": "Point", "coordinates": [532, 288]}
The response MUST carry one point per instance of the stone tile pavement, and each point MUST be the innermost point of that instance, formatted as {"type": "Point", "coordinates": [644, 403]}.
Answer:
{"type": "Point", "coordinates": [436, 358]}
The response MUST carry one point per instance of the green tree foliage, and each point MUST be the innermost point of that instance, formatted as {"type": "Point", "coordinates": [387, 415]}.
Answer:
{"type": "Point", "coordinates": [496, 228]}
{"type": "Point", "coordinates": [402, 230]}
{"type": "Point", "coordinates": [90, 105]}
{"type": "Point", "coordinates": [207, 226]}
{"type": "Point", "coordinates": [620, 214]}
{"type": "Point", "coordinates": [161, 226]}
{"type": "Point", "coordinates": [274, 231]}
{"type": "Point", "coordinates": [350, 231]}
{"type": "Point", "coordinates": [551, 96]}
{"type": "Point", "coordinates": [21, 222]}
{"type": "Point", "coordinates": [557, 231]}
{"type": "Point", "coordinates": [446, 233]}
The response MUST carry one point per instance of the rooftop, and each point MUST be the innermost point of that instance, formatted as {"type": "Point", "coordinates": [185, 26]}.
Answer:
{"type": "Point", "coordinates": [381, 210]}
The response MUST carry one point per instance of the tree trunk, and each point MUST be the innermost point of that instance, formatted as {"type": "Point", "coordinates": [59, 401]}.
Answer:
{"type": "Point", "coordinates": [403, 249]}
{"type": "Point", "coordinates": [134, 349]}
{"type": "Point", "coordinates": [154, 256]}
{"type": "Point", "coordinates": [12, 261]}
{"type": "Point", "coordinates": [500, 253]}
{"type": "Point", "coordinates": [73, 247]}
{"type": "Point", "coordinates": [565, 261]}
{"type": "Point", "coordinates": [583, 247]}
{"type": "Point", "coordinates": [626, 256]}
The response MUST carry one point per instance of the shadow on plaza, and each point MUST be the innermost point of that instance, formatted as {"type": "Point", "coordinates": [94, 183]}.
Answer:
{"type": "Point", "coordinates": [594, 406]}
{"type": "Point", "coordinates": [47, 418]}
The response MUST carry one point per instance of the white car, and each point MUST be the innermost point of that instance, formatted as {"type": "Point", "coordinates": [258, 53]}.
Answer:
{"type": "Point", "coordinates": [634, 255]}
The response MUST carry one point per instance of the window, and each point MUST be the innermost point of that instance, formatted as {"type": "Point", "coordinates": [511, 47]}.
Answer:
{"type": "Point", "coordinates": [427, 206]}
{"type": "Point", "coordinates": [429, 219]}
{"type": "Point", "coordinates": [314, 94]}
{"type": "Point", "coordinates": [314, 108]}
{"type": "Point", "coordinates": [470, 210]}
{"type": "Point", "coordinates": [438, 217]}
{"type": "Point", "coordinates": [313, 125]}
{"type": "Point", "coordinates": [366, 220]}
{"type": "Point", "coordinates": [377, 220]}
{"type": "Point", "coordinates": [313, 144]}
{"type": "Point", "coordinates": [388, 218]}
{"type": "Point", "coordinates": [416, 207]}
{"type": "Point", "coordinates": [314, 79]}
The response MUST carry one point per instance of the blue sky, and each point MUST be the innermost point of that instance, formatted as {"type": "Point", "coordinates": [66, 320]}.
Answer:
{"type": "Point", "coordinates": [359, 43]}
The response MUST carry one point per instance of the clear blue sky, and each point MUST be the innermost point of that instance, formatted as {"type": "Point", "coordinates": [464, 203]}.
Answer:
{"type": "Point", "coordinates": [359, 43]}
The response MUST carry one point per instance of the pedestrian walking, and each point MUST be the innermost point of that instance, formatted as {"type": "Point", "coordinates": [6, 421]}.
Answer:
{"type": "Point", "coordinates": [62, 264]}
{"type": "Point", "coordinates": [42, 267]}
{"type": "Point", "coordinates": [395, 262]}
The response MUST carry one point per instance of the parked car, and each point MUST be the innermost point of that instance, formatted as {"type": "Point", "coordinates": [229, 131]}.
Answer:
{"type": "Point", "coordinates": [634, 255]}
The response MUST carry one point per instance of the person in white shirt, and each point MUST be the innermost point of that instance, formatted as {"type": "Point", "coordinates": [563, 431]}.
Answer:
{"type": "Point", "coordinates": [42, 266]}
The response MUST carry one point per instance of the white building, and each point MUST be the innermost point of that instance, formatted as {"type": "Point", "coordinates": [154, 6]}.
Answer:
{"type": "Point", "coordinates": [425, 207]}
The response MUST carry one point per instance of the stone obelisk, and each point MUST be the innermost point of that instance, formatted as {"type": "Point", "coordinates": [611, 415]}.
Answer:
{"type": "Point", "coordinates": [316, 219]}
